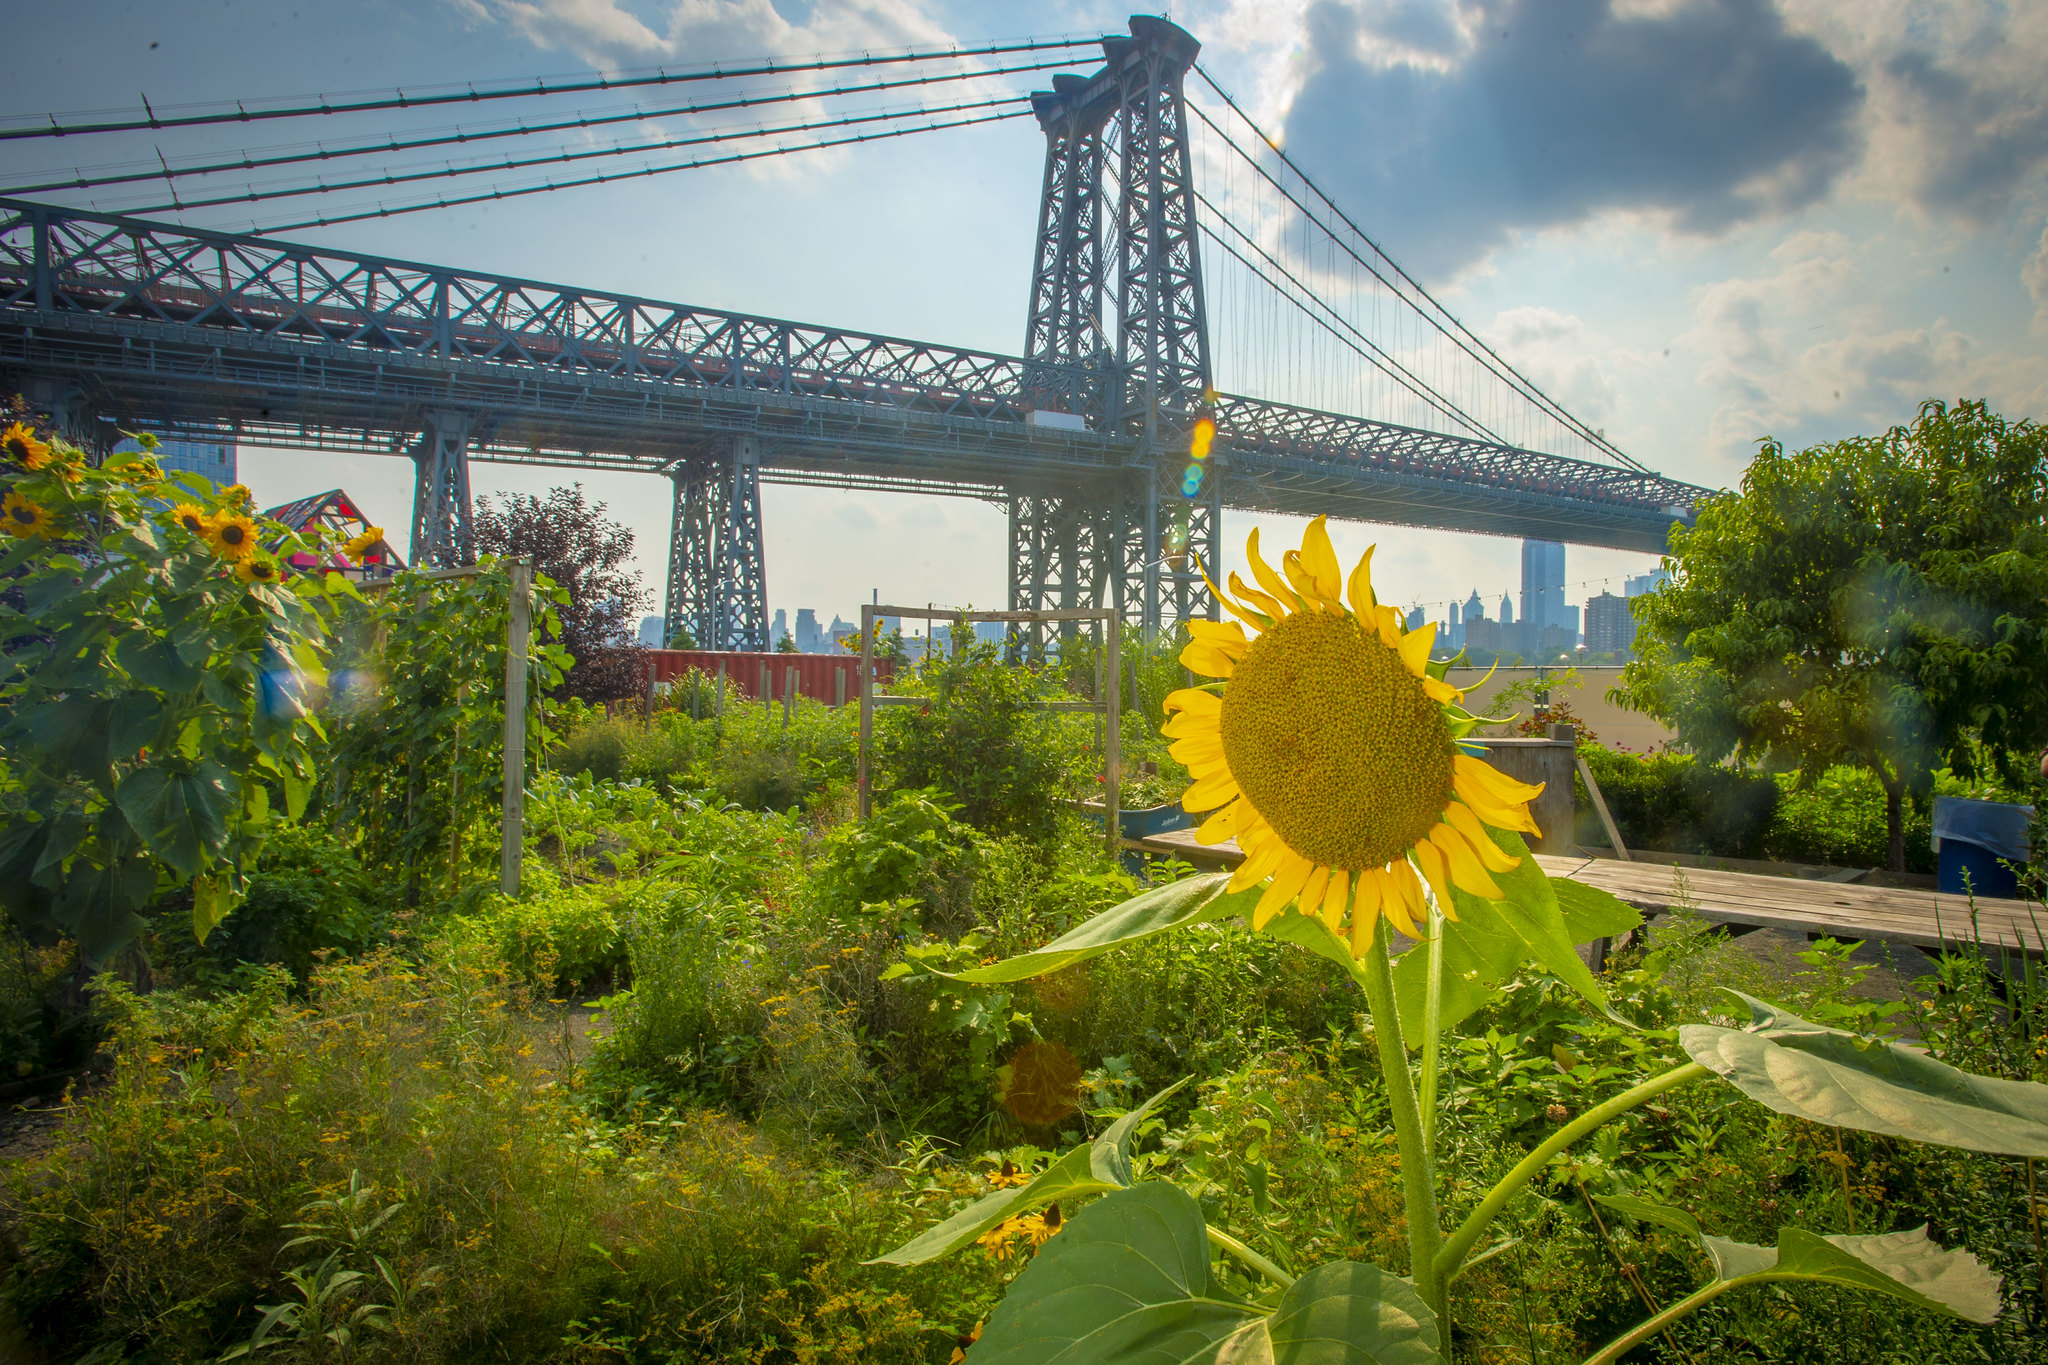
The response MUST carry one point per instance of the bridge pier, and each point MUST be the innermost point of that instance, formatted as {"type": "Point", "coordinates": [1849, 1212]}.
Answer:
{"type": "Point", "coordinates": [443, 535]}
{"type": "Point", "coordinates": [717, 570]}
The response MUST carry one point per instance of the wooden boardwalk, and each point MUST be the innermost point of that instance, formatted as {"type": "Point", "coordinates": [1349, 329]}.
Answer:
{"type": "Point", "coordinates": [1746, 900]}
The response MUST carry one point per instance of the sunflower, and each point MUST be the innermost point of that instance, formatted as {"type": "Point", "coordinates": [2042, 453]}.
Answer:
{"type": "Point", "coordinates": [233, 536]}
{"type": "Point", "coordinates": [361, 545]}
{"type": "Point", "coordinates": [258, 569]}
{"type": "Point", "coordinates": [24, 518]}
{"type": "Point", "coordinates": [20, 443]}
{"type": "Point", "coordinates": [193, 519]}
{"type": "Point", "coordinates": [238, 495]}
{"type": "Point", "coordinates": [1330, 752]}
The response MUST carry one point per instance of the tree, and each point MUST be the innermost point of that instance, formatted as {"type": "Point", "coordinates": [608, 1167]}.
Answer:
{"type": "Point", "coordinates": [1880, 601]}
{"type": "Point", "coordinates": [787, 645]}
{"type": "Point", "coordinates": [585, 552]}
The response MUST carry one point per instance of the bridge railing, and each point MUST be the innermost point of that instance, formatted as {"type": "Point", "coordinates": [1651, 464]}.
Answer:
{"type": "Point", "coordinates": [59, 259]}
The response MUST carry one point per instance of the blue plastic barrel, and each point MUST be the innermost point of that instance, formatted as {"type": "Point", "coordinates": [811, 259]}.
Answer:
{"type": "Point", "coordinates": [1975, 840]}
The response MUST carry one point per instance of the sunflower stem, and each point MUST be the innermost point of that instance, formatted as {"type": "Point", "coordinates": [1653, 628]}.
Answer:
{"type": "Point", "coordinates": [1432, 1034]}
{"type": "Point", "coordinates": [1376, 977]}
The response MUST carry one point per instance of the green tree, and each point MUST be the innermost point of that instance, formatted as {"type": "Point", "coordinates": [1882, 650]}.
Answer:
{"type": "Point", "coordinates": [1880, 601]}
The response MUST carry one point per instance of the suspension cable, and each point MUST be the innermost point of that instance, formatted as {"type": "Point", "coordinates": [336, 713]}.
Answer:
{"type": "Point", "coordinates": [604, 178]}
{"type": "Point", "coordinates": [1365, 346]}
{"type": "Point", "coordinates": [248, 161]}
{"type": "Point", "coordinates": [564, 156]}
{"type": "Point", "coordinates": [1456, 332]}
{"type": "Point", "coordinates": [469, 94]}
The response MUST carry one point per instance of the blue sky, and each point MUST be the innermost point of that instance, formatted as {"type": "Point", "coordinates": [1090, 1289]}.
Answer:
{"type": "Point", "coordinates": [1696, 223]}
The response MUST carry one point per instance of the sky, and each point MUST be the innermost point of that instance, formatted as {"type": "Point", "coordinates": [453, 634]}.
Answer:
{"type": "Point", "coordinates": [1697, 224]}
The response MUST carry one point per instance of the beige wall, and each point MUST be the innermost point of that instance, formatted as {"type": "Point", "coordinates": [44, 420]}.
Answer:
{"type": "Point", "coordinates": [1630, 731]}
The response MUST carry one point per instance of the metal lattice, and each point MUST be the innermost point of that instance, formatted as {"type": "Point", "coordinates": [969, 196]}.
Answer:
{"type": "Point", "coordinates": [717, 571]}
{"type": "Point", "coordinates": [442, 533]}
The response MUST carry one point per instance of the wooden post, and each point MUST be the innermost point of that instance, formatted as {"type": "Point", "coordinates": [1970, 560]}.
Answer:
{"type": "Point", "coordinates": [1112, 742]}
{"type": "Point", "coordinates": [1600, 805]}
{"type": "Point", "coordinates": [838, 687]}
{"type": "Point", "coordinates": [718, 706]}
{"type": "Point", "coordinates": [647, 709]}
{"type": "Point", "coordinates": [512, 814]}
{"type": "Point", "coordinates": [867, 707]}
{"type": "Point", "coordinates": [788, 697]}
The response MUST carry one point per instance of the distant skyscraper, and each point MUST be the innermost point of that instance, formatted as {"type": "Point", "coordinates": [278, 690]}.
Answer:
{"type": "Point", "coordinates": [1610, 629]}
{"type": "Point", "coordinates": [1542, 584]}
{"type": "Point", "coordinates": [780, 629]}
{"type": "Point", "coordinates": [1454, 627]}
{"type": "Point", "coordinates": [1507, 611]}
{"type": "Point", "coordinates": [1475, 610]}
{"type": "Point", "coordinates": [1642, 583]}
{"type": "Point", "coordinates": [1415, 618]}
{"type": "Point", "coordinates": [809, 639]}
{"type": "Point", "coordinates": [650, 632]}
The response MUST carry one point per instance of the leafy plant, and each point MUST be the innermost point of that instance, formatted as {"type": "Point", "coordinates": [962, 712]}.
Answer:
{"type": "Point", "coordinates": [155, 692]}
{"type": "Point", "coordinates": [1790, 1065]}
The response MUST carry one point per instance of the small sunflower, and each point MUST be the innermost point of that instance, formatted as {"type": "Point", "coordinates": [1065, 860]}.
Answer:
{"type": "Point", "coordinates": [358, 546]}
{"type": "Point", "coordinates": [238, 495]}
{"type": "Point", "coordinates": [24, 518]}
{"type": "Point", "coordinates": [194, 519]}
{"type": "Point", "coordinates": [1331, 753]}
{"type": "Point", "coordinates": [143, 470]}
{"type": "Point", "coordinates": [233, 536]}
{"type": "Point", "coordinates": [21, 445]}
{"type": "Point", "coordinates": [70, 471]}
{"type": "Point", "coordinates": [258, 569]}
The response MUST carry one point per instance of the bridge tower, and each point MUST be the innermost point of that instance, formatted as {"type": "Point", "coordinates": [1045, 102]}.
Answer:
{"type": "Point", "coordinates": [717, 572]}
{"type": "Point", "coordinates": [1126, 542]}
{"type": "Point", "coordinates": [443, 535]}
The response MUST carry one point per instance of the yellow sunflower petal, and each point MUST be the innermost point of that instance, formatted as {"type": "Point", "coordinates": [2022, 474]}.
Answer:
{"type": "Point", "coordinates": [1403, 905]}
{"type": "Point", "coordinates": [1258, 866]}
{"type": "Point", "coordinates": [1309, 899]}
{"type": "Point", "coordinates": [1225, 635]}
{"type": "Point", "coordinates": [1429, 860]}
{"type": "Point", "coordinates": [1503, 787]}
{"type": "Point", "coordinates": [1194, 701]}
{"type": "Point", "coordinates": [1388, 622]}
{"type": "Point", "coordinates": [1467, 873]}
{"type": "Point", "coordinates": [1210, 792]}
{"type": "Point", "coordinates": [1334, 897]}
{"type": "Point", "coordinates": [1287, 882]}
{"type": "Point", "coordinates": [1499, 814]}
{"type": "Point", "coordinates": [1319, 557]}
{"type": "Point", "coordinates": [1250, 617]}
{"type": "Point", "coordinates": [1497, 859]}
{"type": "Point", "coordinates": [1439, 690]}
{"type": "Point", "coordinates": [1220, 826]}
{"type": "Point", "coordinates": [1415, 646]}
{"type": "Point", "coordinates": [1207, 660]}
{"type": "Point", "coordinates": [1270, 581]}
{"type": "Point", "coordinates": [1359, 588]}
{"type": "Point", "coordinates": [1272, 606]}
{"type": "Point", "coordinates": [1198, 748]}
{"type": "Point", "coordinates": [1365, 909]}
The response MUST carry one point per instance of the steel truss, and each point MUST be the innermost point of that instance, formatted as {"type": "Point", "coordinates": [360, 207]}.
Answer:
{"type": "Point", "coordinates": [717, 570]}
{"type": "Point", "coordinates": [442, 532]}
{"type": "Point", "coordinates": [116, 322]}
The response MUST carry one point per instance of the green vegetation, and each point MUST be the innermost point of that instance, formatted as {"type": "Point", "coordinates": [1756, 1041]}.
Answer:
{"type": "Point", "coordinates": [1880, 602]}
{"type": "Point", "coordinates": [737, 1076]}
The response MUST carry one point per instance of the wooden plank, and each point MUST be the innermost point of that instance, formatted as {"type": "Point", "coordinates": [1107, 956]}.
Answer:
{"type": "Point", "coordinates": [1924, 919]}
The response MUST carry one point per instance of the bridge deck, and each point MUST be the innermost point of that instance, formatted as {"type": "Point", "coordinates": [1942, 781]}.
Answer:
{"type": "Point", "coordinates": [1922, 919]}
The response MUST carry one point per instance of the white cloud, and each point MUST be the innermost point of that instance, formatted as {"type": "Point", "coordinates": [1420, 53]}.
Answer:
{"type": "Point", "coordinates": [2034, 274]}
{"type": "Point", "coordinates": [702, 31]}
{"type": "Point", "coordinates": [1560, 354]}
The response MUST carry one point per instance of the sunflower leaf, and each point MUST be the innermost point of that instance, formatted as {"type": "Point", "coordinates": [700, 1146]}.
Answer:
{"type": "Point", "coordinates": [1830, 1077]}
{"type": "Point", "coordinates": [1490, 940]}
{"type": "Point", "coordinates": [1172, 906]}
{"type": "Point", "coordinates": [1128, 1278]}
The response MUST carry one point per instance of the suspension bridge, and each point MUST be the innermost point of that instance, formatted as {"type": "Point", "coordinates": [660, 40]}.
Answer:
{"type": "Point", "coordinates": [1108, 440]}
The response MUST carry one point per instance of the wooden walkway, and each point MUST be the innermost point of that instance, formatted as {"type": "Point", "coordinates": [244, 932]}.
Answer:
{"type": "Point", "coordinates": [1746, 900]}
